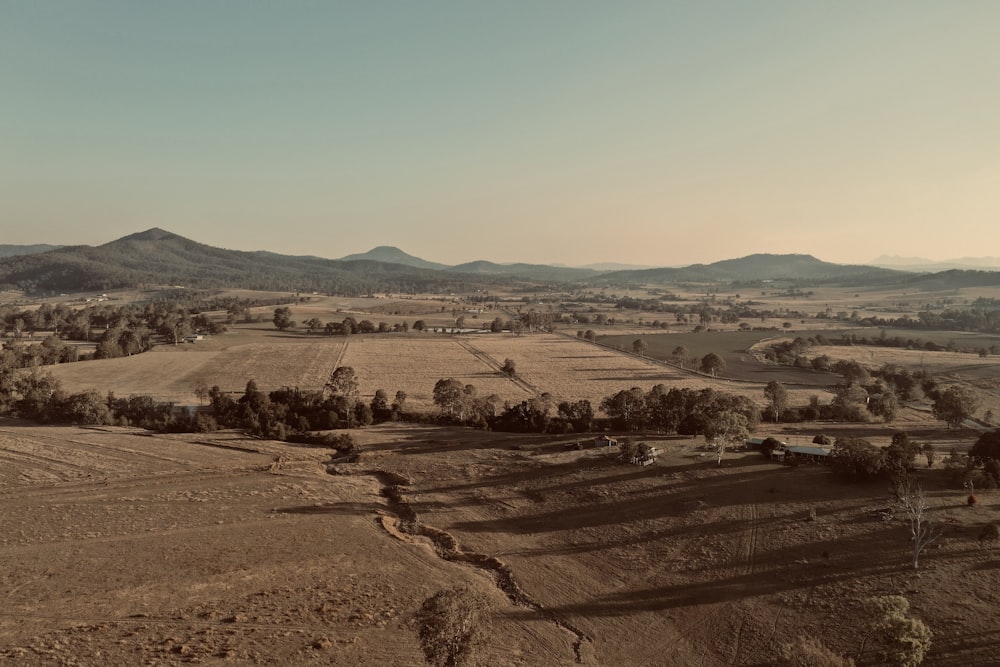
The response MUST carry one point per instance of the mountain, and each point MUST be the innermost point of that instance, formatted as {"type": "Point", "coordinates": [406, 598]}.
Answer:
{"type": "Point", "coordinates": [756, 267]}
{"type": "Point", "coordinates": [159, 257]}
{"type": "Point", "coordinates": [392, 255]}
{"type": "Point", "coordinates": [15, 250]}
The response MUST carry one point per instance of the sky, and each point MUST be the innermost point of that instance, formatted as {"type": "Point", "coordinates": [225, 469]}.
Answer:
{"type": "Point", "coordinates": [653, 133]}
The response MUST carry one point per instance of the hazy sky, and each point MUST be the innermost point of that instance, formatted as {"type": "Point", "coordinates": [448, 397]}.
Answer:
{"type": "Point", "coordinates": [658, 133]}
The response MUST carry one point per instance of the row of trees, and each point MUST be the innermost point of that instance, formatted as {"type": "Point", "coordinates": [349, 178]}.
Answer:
{"type": "Point", "coordinates": [283, 321]}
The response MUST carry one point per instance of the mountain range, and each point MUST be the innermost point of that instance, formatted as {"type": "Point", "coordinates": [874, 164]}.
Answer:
{"type": "Point", "coordinates": [159, 257]}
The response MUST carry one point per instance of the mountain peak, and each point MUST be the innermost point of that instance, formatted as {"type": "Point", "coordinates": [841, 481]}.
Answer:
{"type": "Point", "coordinates": [152, 234]}
{"type": "Point", "coordinates": [392, 255]}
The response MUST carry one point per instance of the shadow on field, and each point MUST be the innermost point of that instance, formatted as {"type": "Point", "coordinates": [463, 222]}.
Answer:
{"type": "Point", "coordinates": [673, 495]}
{"type": "Point", "coordinates": [328, 508]}
{"type": "Point", "coordinates": [786, 577]}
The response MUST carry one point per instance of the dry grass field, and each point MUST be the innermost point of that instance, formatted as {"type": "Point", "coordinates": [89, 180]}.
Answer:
{"type": "Point", "coordinates": [567, 368]}
{"type": "Point", "coordinates": [121, 548]}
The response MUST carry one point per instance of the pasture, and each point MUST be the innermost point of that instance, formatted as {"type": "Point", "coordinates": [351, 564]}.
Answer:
{"type": "Point", "coordinates": [122, 547]}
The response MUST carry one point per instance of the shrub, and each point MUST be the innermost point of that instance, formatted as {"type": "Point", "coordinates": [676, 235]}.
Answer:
{"type": "Point", "coordinates": [452, 627]}
{"type": "Point", "coordinates": [972, 501]}
{"type": "Point", "coordinates": [901, 639]}
{"type": "Point", "coordinates": [809, 652]}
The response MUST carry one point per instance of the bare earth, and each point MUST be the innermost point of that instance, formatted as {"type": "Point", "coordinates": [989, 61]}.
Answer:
{"type": "Point", "coordinates": [124, 548]}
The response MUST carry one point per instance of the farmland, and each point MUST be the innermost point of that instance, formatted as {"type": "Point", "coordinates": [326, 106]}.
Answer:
{"type": "Point", "coordinates": [122, 547]}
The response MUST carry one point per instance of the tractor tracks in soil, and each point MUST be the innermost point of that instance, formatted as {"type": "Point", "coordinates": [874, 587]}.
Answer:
{"type": "Point", "coordinates": [448, 548]}
{"type": "Point", "coordinates": [497, 366]}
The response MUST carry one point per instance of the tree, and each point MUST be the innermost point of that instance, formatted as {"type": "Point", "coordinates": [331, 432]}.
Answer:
{"type": "Point", "coordinates": [343, 381]}
{"type": "Point", "coordinates": [923, 530]}
{"type": "Point", "coordinates": [884, 405]}
{"type": "Point", "coordinates": [954, 405]}
{"type": "Point", "coordinates": [283, 318]}
{"type": "Point", "coordinates": [200, 390]}
{"type": "Point", "coordinates": [625, 408]}
{"type": "Point", "coordinates": [579, 415]}
{"type": "Point", "coordinates": [725, 429]}
{"type": "Point", "coordinates": [313, 324]}
{"type": "Point", "coordinates": [419, 325]}
{"type": "Point", "coordinates": [713, 364]}
{"type": "Point", "coordinates": [509, 367]}
{"type": "Point", "coordinates": [380, 406]}
{"type": "Point", "coordinates": [777, 398]}
{"type": "Point", "coordinates": [452, 626]}
{"type": "Point", "coordinates": [639, 346]}
{"type": "Point", "coordinates": [450, 396]}
{"type": "Point", "coordinates": [856, 458]}
{"type": "Point", "coordinates": [986, 448]}
{"type": "Point", "coordinates": [903, 641]}
{"type": "Point", "coordinates": [680, 355]}
{"type": "Point", "coordinates": [900, 455]}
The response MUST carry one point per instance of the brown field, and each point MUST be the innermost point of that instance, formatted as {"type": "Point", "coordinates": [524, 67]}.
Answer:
{"type": "Point", "coordinates": [121, 548]}
{"type": "Point", "coordinates": [567, 368]}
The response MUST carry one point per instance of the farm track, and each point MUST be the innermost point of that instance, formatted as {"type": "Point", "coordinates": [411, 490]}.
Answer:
{"type": "Point", "coordinates": [495, 365]}
{"type": "Point", "coordinates": [447, 547]}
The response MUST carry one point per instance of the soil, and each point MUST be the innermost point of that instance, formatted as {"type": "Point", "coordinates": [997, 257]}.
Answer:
{"type": "Point", "coordinates": [125, 548]}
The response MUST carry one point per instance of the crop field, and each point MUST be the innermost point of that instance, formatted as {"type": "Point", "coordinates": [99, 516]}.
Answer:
{"type": "Point", "coordinates": [415, 363]}
{"type": "Point", "coordinates": [122, 547]}
{"type": "Point", "coordinates": [170, 373]}
{"type": "Point", "coordinates": [565, 367]}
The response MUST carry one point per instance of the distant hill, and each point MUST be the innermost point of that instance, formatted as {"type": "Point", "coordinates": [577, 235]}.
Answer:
{"type": "Point", "coordinates": [159, 257]}
{"type": "Point", "coordinates": [755, 268]}
{"type": "Point", "coordinates": [528, 271]}
{"type": "Point", "coordinates": [392, 255]}
{"type": "Point", "coordinates": [922, 265]}
{"type": "Point", "coordinates": [16, 250]}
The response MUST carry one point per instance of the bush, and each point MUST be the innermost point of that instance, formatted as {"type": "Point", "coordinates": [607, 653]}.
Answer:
{"type": "Point", "coordinates": [901, 639]}
{"type": "Point", "coordinates": [453, 627]}
{"type": "Point", "coordinates": [809, 652]}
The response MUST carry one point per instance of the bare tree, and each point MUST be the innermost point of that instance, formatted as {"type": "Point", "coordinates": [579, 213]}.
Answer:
{"type": "Point", "coordinates": [923, 530]}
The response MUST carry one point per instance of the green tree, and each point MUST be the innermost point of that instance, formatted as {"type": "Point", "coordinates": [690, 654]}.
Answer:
{"type": "Point", "coordinates": [725, 429]}
{"type": "Point", "coordinates": [283, 318]}
{"type": "Point", "coordinates": [509, 367]}
{"type": "Point", "coordinates": [713, 364]}
{"type": "Point", "coordinates": [625, 408]}
{"type": "Point", "coordinates": [639, 346]}
{"type": "Point", "coordinates": [680, 355]}
{"type": "Point", "coordinates": [885, 405]}
{"type": "Point", "coordinates": [986, 448]}
{"type": "Point", "coordinates": [954, 405]}
{"type": "Point", "coordinates": [777, 398]}
{"type": "Point", "coordinates": [856, 458]}
{"type": "Point", "coordinates": [901, 640]}
{"type": "Point", "coordinates": [450, 395]}
{"type": "Point", "coordinates": [453, 627]}
{"type": "Point", "coordinates": [343, 382]}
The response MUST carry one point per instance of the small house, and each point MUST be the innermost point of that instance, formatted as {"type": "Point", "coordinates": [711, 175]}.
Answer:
{"type": "Point", "coordinates": [604, 441]}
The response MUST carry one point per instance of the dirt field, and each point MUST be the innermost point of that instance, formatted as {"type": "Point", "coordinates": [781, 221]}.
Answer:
{"type": "Point", "coordinates": [564, 366]}
{"type": "Point", "coordinates": [124, 548]}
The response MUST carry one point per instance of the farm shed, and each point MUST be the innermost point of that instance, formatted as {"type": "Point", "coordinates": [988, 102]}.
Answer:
{"type": "Point", "coordinates": [809, 453]}
{"type": "Point", "coordinates": [604, 441]}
